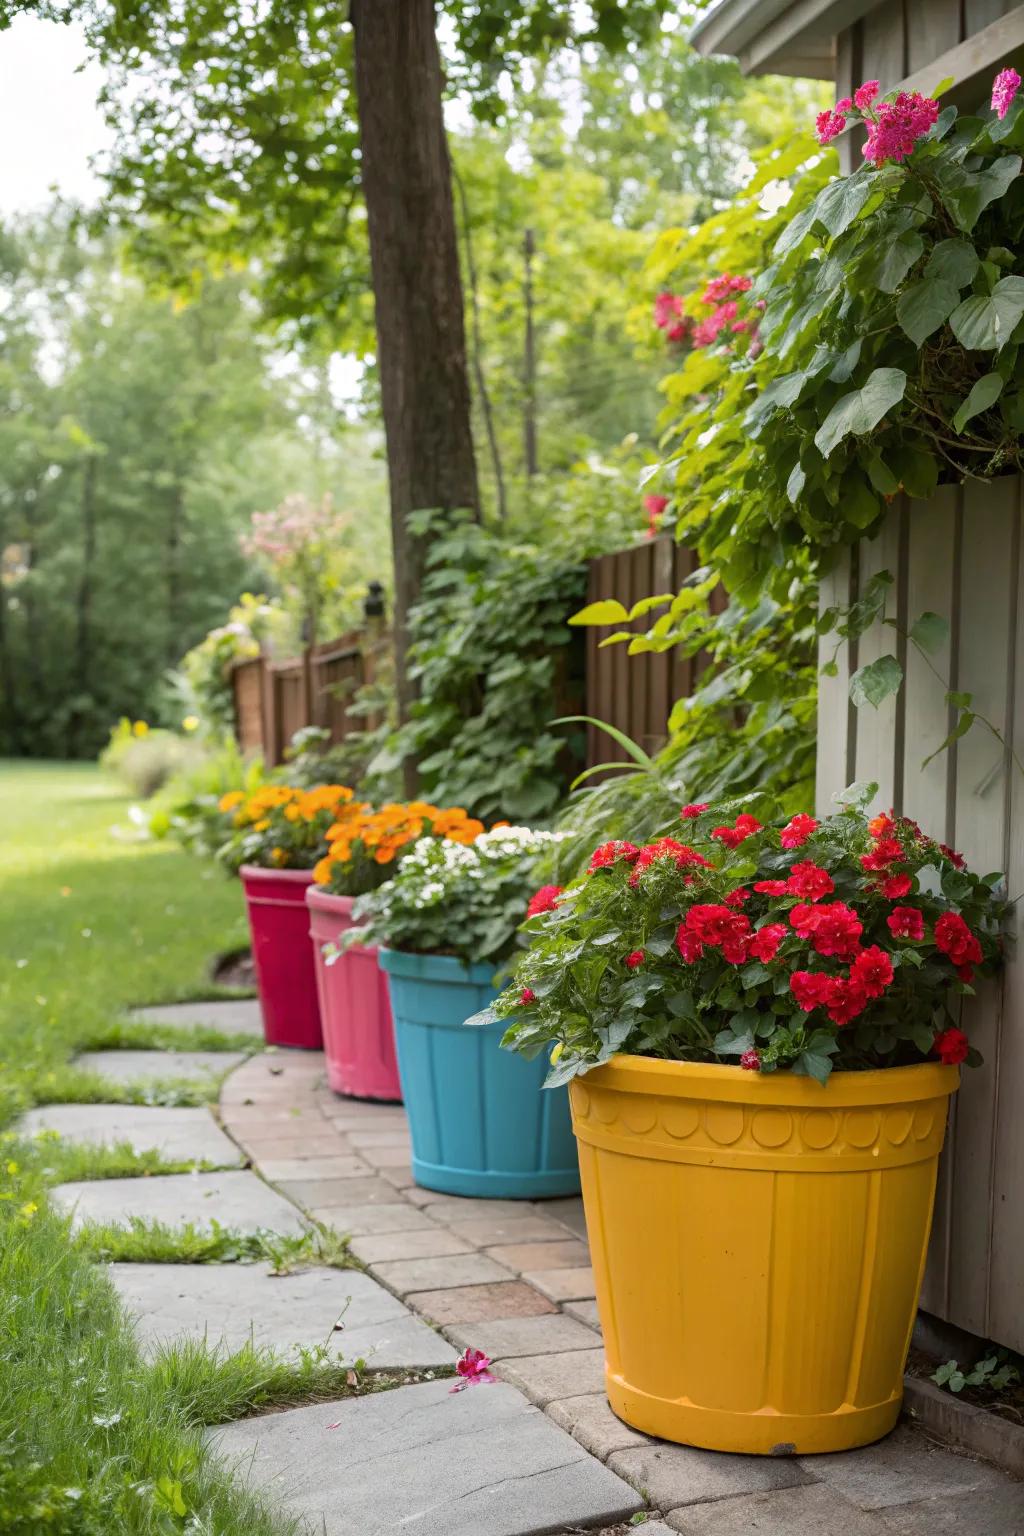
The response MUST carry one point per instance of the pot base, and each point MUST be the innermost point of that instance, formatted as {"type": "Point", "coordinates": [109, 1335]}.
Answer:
{"type": "Point", "coordinates": [751, 1434]}
{"type": "Point", "coordinates": [338, 1082]}
{"type": "Point", "coordinates": [496, 1184]}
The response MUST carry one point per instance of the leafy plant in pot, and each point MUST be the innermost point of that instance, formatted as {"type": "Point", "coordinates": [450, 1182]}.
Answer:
{"type": "Point", "coordinates": [758, 1024]}
{"type": "Point", "coordinates": [273, 838]}
{"type": "Point", "coordinates": [479, 1123]}
{"type": "Point", "coordinates": [362, 850]}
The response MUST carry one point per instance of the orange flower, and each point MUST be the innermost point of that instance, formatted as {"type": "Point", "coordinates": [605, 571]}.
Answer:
{"type": "Point", "coordinates": [230, 800]}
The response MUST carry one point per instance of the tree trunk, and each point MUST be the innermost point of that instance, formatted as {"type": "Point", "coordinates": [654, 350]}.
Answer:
{"type": "Point", "coordinates": [175, 533]}
{"type": "Point", "coordinates": [421, 342]}
{"type": "Point", "coordinates": [83, 637]}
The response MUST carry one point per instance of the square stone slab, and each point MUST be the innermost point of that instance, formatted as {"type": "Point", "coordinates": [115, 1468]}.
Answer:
{"type": "Point", "coordinates": [590, 1420]}
{"type": "Point", "coordinates": [153, 1066]}
{"type": "Point", "coordinates": [230, 1303]}
{"type": "Point", "coordinates": [233, 1016]}
{"type": "Point", "coordinates": [564, 1284]}
{"type": "Point", "coordinates": [180, 1134]}
{"type": "Point", "coordinates": [385, 1246]}
{"type": "Point", "coordinates": [426, 1462]}
{"type": "Point", "coordinates": [507, 1337]}
{"type": "Point", "coordinates": [543, 1378]}
{"type": "Point", "coordinates": [816, 1510]}
{"type": "Point", "coordinates": [902, 1468]}
{"type": "Point", "coordinates": [408, 1275]}
{"type": "Point", "coordinates": [481, 1303]}
{"type": "Point", "coordinates": [673, 1475]}
{"type": "Point", "coordinates": [240, 1201]}
{"type": "Point", "coordinates": [356, 1220]}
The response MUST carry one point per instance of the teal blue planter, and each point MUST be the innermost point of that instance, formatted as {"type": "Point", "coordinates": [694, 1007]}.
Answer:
{"type": "Point", "coordinates": [479, 1120]}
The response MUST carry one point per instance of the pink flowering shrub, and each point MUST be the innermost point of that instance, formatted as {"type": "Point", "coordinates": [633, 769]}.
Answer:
{"type": "Point", "coordinates": [806, 944]}
{"type": "Point", "coordinates": [721, 297]}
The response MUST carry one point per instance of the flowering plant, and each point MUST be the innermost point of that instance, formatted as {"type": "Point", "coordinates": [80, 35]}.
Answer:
{"type": "Point", "coordinates": [894, 317]}
{"type": "Point", "coordinates": [279, 826]}
{"type": "Point", "coordinates": [462, 899]}
{"type": "Point", "coordinates": [806, 944]}
{"type": "Point", "coordinates": [363, 843]}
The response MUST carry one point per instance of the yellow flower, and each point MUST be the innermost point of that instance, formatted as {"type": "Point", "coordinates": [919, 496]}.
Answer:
{"type": "Point", "coordinates": [230, 800]}
{"type": "Point", "coordinates": [556, 1051]}
{"type": "Point", "coordinates": [140, 728]}
{"type": "Point", "coordinates": [28, 1210]}
{"type": "Point", "coordinates": [190, 723]}
{"type": "Point", "coordinates": [12, 1168]}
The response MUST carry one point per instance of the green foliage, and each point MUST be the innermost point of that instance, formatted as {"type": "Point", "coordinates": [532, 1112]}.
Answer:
{"type": "Point", "coordinates": [892, 330]}
{"type": "Point", "coordinates": [750, 940]}
{"type": "Point", "coordinates": [152, 1242]}
{"type": "Point", "coordinates": [456, 899]}
{"type": "Point", "coordinates": [202, 678]}
{"type": "Point", "coordinates": [143, 759]}
{"type": "Point", "coordinates": [994, 1372]}
{"type": "Point", "coordinates": [188, 807]}
{"type": "Point", "coordinates": [492, 658]}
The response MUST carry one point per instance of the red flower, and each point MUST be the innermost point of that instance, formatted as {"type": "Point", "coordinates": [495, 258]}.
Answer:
{"type": "Point", "coordinates": [905, 923]}
{"type": "Point", "coordinates": [473, 1367]}
{"type": "Point", "coordinates": [737, 897]}
{"type": "Point", "coordinates": [872, 971]}
{"type": "Point", "coordinates": [952, 855]}
{"type": "Point", "coordinates": [527, 995]}
{"type": "Point", "coordinates": [881, 826]}
{"type": "Point", "coordinates": [896, 886]}
{"type": "Point", "coordinates": [654, 506]}
{"type": "Point", "coordinates": [667, 307]}
{"type": "Point", "coordinates": [665, 848]}
{"type": "Point", "coordinates": [965, 973]}
{"type": "Point", "coordinates": [764, 944]}
{"type": "Point", "coordinates": [812, 989]}
{"type": "Point", "coordinates": [809, 881]}
{"type": "Point", "coordinates": [847, 1000]}
{"type": "Point", "coordinates": [833, 929]}
{"type": "Point", "coordinates": [797, 831]}
{"type": "Point", "coordinates": [956, 940]}
{"type": "Point", "coordinates": [744, 826]}
{"type": "Point", "coordinates": [635, 959]}
{"type": "Point", "coordinates": [544, 900]}
{"type": "Point", "coordinates": [750, 1061]}
{"type": "Point", "coordinates": [772, 887]}
{"type": "Point", "coordinates": [718, 927]}
{"type": "Point", "coordinates": [691, 812]}
{"type": "Point", "coordinates": [952, 1046]}
{"type": "Point", "coordinates": [885, 852]}
{"type": "Point", "coordinates": [688, 945]}
{"type": "Point", "coordinates": [609, 853]}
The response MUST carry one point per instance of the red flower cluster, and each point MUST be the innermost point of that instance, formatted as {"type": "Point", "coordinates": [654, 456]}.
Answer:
{"type": "Point", "coordinates": [610, 853]}
{"type": "Point", "coordinates": [796, 832]}
{"type": "Point", "coordinates": [905, 923]}
{"type": "Point", "coordinates": [654, 506]}
{"type": "Point", "coordinates": [635, 959]}
{"type": "Point", "coordinates": [956, 940]}
{"type": "Point", "coordinates": [832, 929]}
{"type": "Point", "coordinates": [952, 1047]}
{"type": "Point", "coordinates": [667, 848]}
{"type": "Point", "coordinates": [743, 827]}
{"type": "Point", "coordinates": [894, 127]}
{"type": "Point", "coordinates": [669, 317]}
{"type": "Point", "coordinates": [544, 900]}
{"type": "Point", "coordinates": [713, 927]}
{"type": "Point", "coordinates": [806, 880]}
{"type": "Point", "coordinates": [691, 812]}
{"type": "Point", "coordinates": [844, 997]}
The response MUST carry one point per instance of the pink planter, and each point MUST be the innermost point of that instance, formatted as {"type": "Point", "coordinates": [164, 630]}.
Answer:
{"type": "Point", "coordinates": [359, 1038]}
{"type": "Point", "coordinates": [285, 974]}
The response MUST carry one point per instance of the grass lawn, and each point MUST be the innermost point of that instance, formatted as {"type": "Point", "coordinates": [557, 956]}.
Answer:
{"type": "Point", "coordinates": [93, 1442]}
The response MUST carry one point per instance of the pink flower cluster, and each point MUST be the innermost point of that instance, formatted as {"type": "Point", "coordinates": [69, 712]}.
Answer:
{"type": "Point", "coordinates": [721, 293]}
{"type": "Point", "coordinates": [894, 127]}
{"type": "Point", "coordinates": [1004, 88]}
{"type": "Point", "coordinates": [669, 317]}
{"type": "Point", "coordinates": [290, 529]}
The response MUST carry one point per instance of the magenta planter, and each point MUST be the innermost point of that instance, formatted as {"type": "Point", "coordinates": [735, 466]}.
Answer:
{"type": "Point", "coordinates": [359, 1038]}
{"type": "Point", "coordinates": [285, 973]}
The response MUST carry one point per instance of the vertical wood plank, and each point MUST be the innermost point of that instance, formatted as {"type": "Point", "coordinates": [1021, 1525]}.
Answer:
{"type": "Point", "coordinates": [986, 636]}
{"type": "Point", "coordinates": [639, 723]}
{"type": "Point", "coordinates": [1006, 1266]}
{"type": "Point", "coordinates": [884, 46]}
{"type": "Point", "coordinates": [979, 13]}
{"type": "Point", "coordinates": [833, 692]}
{"type": "Point", "coordinates": [929, 588]}
{"type": "Point", "coordinates": [877, 729]}
{"type": "Point", "coordinates": [933, 26]}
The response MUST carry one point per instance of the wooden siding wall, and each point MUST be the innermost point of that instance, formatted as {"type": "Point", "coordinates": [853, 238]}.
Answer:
{"type": "Point", "coordinates": [636, 693]}
{"type": "Point", "coordinates": [274, 699]}
{"type": "Point", "coordinates": [958, 555]}
{"type": "Point", "coordinates": [902, 36]}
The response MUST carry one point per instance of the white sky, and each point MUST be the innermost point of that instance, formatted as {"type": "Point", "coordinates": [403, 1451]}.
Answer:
{"type": "Point", "coordinates": [49, 122]}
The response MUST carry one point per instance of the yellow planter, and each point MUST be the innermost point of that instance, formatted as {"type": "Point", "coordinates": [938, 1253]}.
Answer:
{"type": "Point", "coordinates": [758, 1245]}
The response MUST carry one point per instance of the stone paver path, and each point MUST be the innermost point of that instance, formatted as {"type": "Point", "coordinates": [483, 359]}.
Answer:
{"type": "Point", "coordinates": [137, 1066]}
{"type": "Point", "coordinates": [180, 1134]}
{"type": "Point", "coordinates": [233, 1016]}
{"type": "Point", "coordinates": [421, 1460]}
{"type": "Point", "coordinates": [540, 1451]}
{"type": "Point", "coordinates": [228, 1304]}
{"type": "Point", "coordinates": [513, 1278]}
{"type": "Point", "coordinates": [240, 1201]}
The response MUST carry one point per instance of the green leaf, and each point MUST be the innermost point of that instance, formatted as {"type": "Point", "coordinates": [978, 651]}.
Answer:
{"type": "Point", "coordinates": [646, 604]}
{"type": "Point", "coordinates": [485, 1016]}
{"type": "Point", "coordinates": [876, 681]}
{"type": "Point", "coordinates": [862, 410]}
{"type": "Point", "coordinates": [953, 261]}
{"type": "Point", "coordinates": [971, 192]}
{"type": "Point", "coordinates": [983, 323]}
{"type": "Point", "coordinates": [839, 204]}
{"type": "Point", "coordinates": [895, 260]}
{"type": "Point", "coordinates": [812, 1064]}
{"type": "Point", "coordinates": [985, 393]}
{"type": "Point", "coordinates": [930, 632]}
{"type": "Point", "coordinates": [795, 484]}
{"type": "Point", "coordinates": [881, 476]}
{"type": "Point", "coordinates": [608, 611]}
{"type": "Point", "coordinates": [625, 742]}
{"type": "Point", "coordinates": [921, 308]}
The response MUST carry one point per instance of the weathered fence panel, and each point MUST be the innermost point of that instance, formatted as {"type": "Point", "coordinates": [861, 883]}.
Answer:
{"type": "Point", "coordinates": [636, 693]}
{"type": "Point", "coordinates": [958, 555]}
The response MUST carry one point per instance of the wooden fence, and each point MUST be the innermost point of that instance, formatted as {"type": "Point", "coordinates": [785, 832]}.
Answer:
{"type": "Point", "coordinates": [274, 699]}
{"type": "Point", "coordinates": [636, 693]}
